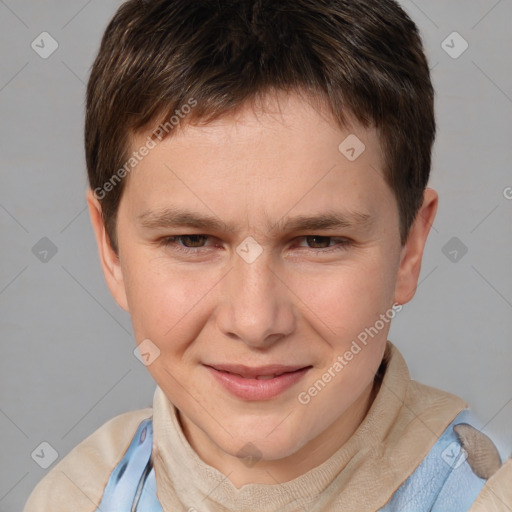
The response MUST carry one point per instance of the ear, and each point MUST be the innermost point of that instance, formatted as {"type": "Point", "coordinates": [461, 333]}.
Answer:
{"type": "Point", "coordinates": [109, 260]}
{"type": "Point", "coordinates": [412, 251]}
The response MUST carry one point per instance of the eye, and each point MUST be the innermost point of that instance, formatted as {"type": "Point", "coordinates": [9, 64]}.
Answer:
{"type": "Point", "coordinates": [194, 241]}
{"type": "Point", "coordinates": [185, 243]}
{"type": "Point", "coordinates": [323, 243]}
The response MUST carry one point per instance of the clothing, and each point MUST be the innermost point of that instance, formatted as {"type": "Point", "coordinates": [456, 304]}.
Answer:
{"type": "Point", "coordinates": [398, 448]}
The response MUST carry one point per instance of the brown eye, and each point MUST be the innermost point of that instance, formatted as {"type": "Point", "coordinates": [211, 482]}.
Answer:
{"type": "Point", "coordinates": [192, 240]}
{"type": "Point", "coordinates": [318, 242]}
{"type": "Point", "coordinates": [188, 244]}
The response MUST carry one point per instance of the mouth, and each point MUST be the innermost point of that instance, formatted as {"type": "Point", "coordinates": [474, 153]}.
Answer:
{"type": "Point", "coordinates": [257, 383]}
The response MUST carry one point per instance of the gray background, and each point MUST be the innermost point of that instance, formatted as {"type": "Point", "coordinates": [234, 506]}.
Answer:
{"type": "Point", "coordinates": [67, 364]}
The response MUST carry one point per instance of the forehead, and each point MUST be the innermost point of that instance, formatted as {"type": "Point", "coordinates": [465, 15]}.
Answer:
{"type": "Point", "coordinates": [261, 162]}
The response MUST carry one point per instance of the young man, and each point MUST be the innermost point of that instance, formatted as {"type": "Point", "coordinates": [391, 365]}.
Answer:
{"type": "Point", "coordinates": [258, 174]}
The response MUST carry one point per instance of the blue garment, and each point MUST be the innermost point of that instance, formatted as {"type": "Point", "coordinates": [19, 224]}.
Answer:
{"type": "Point", "coordinates": [131, 486]}
{"type": "Point", "coordinates": [443, 482]}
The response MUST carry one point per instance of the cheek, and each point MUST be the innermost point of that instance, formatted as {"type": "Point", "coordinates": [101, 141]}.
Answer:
{"type": "Point", "coordinates": [348, 298]}
{"type": "Point", "coordinates": [165, 301]}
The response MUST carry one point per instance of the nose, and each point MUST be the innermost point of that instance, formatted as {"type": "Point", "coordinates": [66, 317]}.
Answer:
{"type": "Point", "coordinates": [257, 308]}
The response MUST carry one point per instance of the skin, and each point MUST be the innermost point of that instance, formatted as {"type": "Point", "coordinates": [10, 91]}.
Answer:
{"type": "Point", "coordinates": [297, 303]}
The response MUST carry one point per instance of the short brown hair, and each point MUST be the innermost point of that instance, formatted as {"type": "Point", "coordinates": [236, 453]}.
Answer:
{"type": "Point", "coordinates": [364, 57]}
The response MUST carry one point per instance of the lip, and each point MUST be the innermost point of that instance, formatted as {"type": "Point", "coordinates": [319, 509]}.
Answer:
{"type": "Point", "coordinates": [241, 380]}
{"type": "Point", "coordinates": [254, 371]}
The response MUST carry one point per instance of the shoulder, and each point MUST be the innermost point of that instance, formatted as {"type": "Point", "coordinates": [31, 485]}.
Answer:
{"type": "Point", "coordinates": [464, 465]}
{"type": "Point", "coordinates": [496, 495]}
{"type": "Point", "coordinates": [78, 480]}
{"type": "Point", "coordinates": [429, 403]}
{"type": "Point", "coordinates": [424, 412]}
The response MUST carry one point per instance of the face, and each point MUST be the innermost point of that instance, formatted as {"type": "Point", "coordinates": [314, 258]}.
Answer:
{"type": "Point", "coordinates": [253, 246]}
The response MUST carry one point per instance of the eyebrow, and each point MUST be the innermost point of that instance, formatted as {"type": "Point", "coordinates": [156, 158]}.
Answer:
{"type": "Point", "coordinates": [330, 220]}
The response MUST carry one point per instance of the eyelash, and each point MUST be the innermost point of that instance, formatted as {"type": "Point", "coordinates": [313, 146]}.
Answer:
{"type": "Point", "coordinates": [343, 243]}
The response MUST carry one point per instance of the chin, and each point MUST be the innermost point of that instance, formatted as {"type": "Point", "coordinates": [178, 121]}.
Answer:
{"type": "Point", "coordinates": [264, 440]}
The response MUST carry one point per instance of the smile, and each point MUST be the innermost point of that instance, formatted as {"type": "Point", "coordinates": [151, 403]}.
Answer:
{"type": "Point", "coordinates": [257, 383]}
